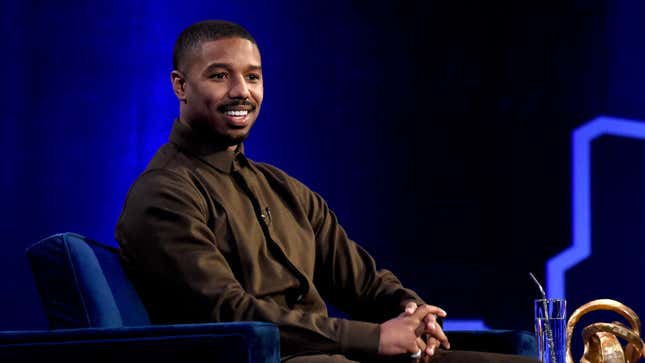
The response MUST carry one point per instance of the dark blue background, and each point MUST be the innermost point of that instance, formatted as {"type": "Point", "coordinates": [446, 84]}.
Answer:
{"type": "Point", "coordinates": [439, 133]}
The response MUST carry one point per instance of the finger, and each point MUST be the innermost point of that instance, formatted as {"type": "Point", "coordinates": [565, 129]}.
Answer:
{"type": "Point", "coordinates": [410, 308]}
{"type": "Point", "coordinates": [420, 328]}
{"type": "Point", "coordinates": [421, 345]}
{"type": "Point", "coordinates": [418, 320]}
{"type": "Point", "coordinates": [424, 310]}
{"type": "Point", "coordinates": [430, 321]}
{"type": "Point", "coordinates": [416, 345]}
{"type": "Point", "coordinates": [432, 345]}
{"type": "Point", "coordinates": [430, 317]}
{"type": "Point", "coordinates": [437, 311]}
{"type": "Point", "coordinates": [441, 336]}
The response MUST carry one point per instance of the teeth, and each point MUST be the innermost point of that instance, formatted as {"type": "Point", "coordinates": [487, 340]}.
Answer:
{"type": "Point", "coordinates": [237, 113]}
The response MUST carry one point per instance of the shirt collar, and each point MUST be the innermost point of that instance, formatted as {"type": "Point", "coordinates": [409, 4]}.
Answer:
{"type": "Point", "coordinates": [205, 149]}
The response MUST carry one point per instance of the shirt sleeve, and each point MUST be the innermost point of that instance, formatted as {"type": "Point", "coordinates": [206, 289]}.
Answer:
{"type": "Point", "coordinates": [165, 238]}
{"type": "Point", "coordinates": [346, 273]}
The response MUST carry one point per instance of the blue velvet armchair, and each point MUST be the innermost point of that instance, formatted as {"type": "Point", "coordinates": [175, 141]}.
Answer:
{"type": "Point", "coordinates": [96, 315]}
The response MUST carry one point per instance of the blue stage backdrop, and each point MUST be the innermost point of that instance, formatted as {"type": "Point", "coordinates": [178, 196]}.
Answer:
{"type": "Point", "coordinates": [439, 133]}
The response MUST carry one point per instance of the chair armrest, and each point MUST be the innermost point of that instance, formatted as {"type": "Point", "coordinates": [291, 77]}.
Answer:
{"type": "Point", "coordinates": [251, 342]}
{"type": "Point", "coordinates": [495, 341]}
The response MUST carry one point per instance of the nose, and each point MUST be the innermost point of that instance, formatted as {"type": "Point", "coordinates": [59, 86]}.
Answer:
{"type": "Point", "coordinates": [239, 89]}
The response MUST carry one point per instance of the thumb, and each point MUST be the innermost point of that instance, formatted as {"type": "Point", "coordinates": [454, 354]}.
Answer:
{"type": "Point", "coordinates": [410, 308]}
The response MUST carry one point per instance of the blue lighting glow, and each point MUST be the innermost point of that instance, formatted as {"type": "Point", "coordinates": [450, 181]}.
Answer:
{"type": "Point", "coordinates": [457, 325]}
{"type": "Point", "coordinates": [582, 137]}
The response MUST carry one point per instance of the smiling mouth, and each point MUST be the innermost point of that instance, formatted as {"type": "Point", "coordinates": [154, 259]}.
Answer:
{"type": "Point", "coordinates": [237, 118]}
{"type": "Point", "coordinates": [236, 113]}
{"type": "Point", "coordinates": [237, 106]}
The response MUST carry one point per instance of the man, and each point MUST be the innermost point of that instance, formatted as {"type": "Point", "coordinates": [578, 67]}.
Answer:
{"type": "Point", "coordinates": [210, 235]}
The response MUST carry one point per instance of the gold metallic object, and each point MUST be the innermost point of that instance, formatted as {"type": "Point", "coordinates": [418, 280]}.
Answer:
{"type": "Point", "coordinates": [601, 339]}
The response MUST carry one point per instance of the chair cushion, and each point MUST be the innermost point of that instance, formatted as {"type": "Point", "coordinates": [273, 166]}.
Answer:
{"type": "Point", "coordinates": [82, 284]}
{"type": "Point", "coordinates": [251, 342]}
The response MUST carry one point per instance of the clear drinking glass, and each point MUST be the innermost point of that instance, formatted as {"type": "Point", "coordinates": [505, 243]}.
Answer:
{"type": "Point", "coordinates": [550, 329]}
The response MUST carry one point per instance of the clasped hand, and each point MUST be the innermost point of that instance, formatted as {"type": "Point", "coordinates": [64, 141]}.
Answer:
{"type": "Point", "coordinates": [406, 333]}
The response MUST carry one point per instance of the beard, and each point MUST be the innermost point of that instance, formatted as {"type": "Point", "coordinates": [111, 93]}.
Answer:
{"type": "Point", "coordinates": [231, 140]}
{"type": "Point", "coordinates": [213, 126]}
{"type": "Point", "coordinates": [209, 134]}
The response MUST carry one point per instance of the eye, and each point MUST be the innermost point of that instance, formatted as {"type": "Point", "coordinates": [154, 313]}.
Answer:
{"type": "Point", "coordinates": [219, 75]}
{"type": "Point", "coordinates": [253, 77]}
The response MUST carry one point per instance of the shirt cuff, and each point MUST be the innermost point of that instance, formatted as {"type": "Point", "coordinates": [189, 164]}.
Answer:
{"type": "Point", "coordinates": [359, 337]}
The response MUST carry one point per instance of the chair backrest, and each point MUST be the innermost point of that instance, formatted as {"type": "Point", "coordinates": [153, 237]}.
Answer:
{"type": "Point", "coordinates": [83, 284]}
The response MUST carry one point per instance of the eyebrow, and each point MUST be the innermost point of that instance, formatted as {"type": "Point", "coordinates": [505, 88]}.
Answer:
{"type": "Point", "coordinates": [229, 66]}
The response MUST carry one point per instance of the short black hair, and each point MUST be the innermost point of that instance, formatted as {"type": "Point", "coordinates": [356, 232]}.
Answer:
{"type": "Point", "coordinates": [204, 31]}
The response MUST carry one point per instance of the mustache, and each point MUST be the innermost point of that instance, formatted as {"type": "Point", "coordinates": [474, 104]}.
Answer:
{"type": "Point", "coordinates": [245, 103]}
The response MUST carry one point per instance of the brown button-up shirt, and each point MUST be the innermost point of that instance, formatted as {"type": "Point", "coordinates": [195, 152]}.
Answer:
{"type": "Point", "coordinates": [209, 235]}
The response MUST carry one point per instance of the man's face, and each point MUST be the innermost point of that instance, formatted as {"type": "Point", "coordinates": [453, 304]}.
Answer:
{"type": "Point", "coordinates": [222, 88]}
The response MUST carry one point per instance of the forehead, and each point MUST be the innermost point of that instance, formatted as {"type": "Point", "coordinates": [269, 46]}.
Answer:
{"type": "Point", "coordinates": [236, 52]}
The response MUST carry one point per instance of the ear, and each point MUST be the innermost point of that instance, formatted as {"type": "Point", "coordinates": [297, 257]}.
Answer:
{"type": "Point", "coordinates": [178, 85]}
